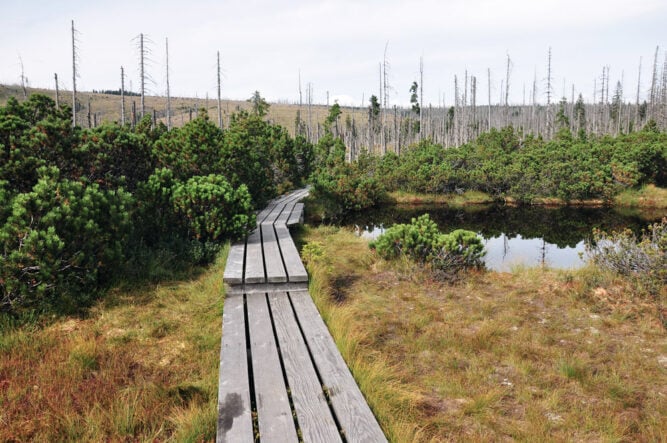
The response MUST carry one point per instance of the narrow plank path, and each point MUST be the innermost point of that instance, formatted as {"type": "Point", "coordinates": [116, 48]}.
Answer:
{"type": "Point", "coordinates": [282, 378]}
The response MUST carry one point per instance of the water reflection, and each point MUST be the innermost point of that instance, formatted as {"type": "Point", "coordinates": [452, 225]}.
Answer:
{"type": "Point", "coordinates": [525, 236]}
{"type": "Point", "coordinates": [503, 253]}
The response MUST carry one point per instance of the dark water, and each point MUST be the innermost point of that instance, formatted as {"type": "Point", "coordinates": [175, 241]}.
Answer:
{"type": "Point", "coordinates": [523, 236]}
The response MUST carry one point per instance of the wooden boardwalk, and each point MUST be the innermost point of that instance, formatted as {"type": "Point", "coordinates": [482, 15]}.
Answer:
{"type": "Point", "coordinates": [282, 378]}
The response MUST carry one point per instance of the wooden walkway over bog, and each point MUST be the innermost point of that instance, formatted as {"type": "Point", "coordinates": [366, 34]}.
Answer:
{"type": "Point", "coordinates": [282, 378]}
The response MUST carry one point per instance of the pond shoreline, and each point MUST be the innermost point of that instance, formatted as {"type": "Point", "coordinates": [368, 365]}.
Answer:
{"type": "Point", "coordinates": [528, 235]}
{"type": "Point", "coordinates": [648, 197]}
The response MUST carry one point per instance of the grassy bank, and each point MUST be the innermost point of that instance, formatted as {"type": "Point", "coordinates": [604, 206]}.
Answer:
{"type": "Point", "coordinates": [531, 355]}
{"type": "Point", "coordinates": [648, 197]}
{"type": "Point", "coordinates": [143, 366]}
{"type": "Point", "coordinates": [455, 200]}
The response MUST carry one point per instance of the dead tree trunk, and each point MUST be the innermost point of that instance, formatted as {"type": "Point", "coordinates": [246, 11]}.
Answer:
{"type": "Point", "coordinates": [219, 99]}
{"type": "Point", "coordinates": [507, 91]}
{"type": "Point", "coordinates": [639, 82]}
{"type": "Point", "coordinates": [166, 44]}
{"type": "Point", "coordinates": [535, 124]}
{"type": "Point", "coordinates": [142, 73]}
{"type": "Point", "coordinates": [488, 77]}
{"type": "Point", "coordinates": [473, 104]}
{"type": "Point", "coordinates": [549, 94]}
{"type": "Point", "coordinates": [421, 96]}
{"type": "Point", "coordinates": [122, 96]}
{"type": "Point", "coordinates": [23, 79]}
{"type": "Point", "coordinates": [385, 65]}
{"type": "Point", "coordinates": [663, 93]}
{"type": "Point", "coordinates": [654, 84]}
{"type": "Point", "coordinates": [55, 76]}
{"type": "Point", "coordinates": [90, 123]}
{"type": "Point", "coordinates": [74, 74]}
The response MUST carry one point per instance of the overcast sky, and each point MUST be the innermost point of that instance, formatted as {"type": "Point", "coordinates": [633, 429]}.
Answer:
{"type": "Point", "coordinates": [337, 45]}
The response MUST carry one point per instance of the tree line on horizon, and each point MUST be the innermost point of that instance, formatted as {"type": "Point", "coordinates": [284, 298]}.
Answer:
{"type": "Point", "coordinates": [381, 127]}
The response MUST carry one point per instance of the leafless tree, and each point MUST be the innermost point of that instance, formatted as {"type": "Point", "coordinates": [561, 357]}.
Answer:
{"type": "Point", "coordinates": [549, 94]}
{"type": "Point", "coordinates": [473, 103]}
{"type": "Point", "coordinates": [90, 122]}
{"type": "Point", "coordinates": [166, 46]}
{"type": "Point", "coordinates": [75, 71]}
{"type": "Point", "coordinates": [488, 76]}
{"type": "Point", "coordinates": [507, 90]}
{"type": "Point", "coordinates": [654, 84]}
{"type": "Point", "coordinates": [55, 77]}
{"type": "Point", "coordinates": [639, 83]}
{"type": "Point", "coordinates": [663, 92]}
{"type": "Point", "coordinates": [384, 98]}
{"type": "Point", "coordinates": [219, 99]}
{"type": "Point", "coordinates": [122, 96]}
{"type": "Point", "coordinates": [23, 79]}
{"type": "Point", "coordinates": [421, 95]}
{"type": "Point", "coordinates": [143, 45]}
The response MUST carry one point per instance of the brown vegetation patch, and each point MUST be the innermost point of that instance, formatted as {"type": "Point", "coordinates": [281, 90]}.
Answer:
{"type": "Point", "coordinates": [532, 355]}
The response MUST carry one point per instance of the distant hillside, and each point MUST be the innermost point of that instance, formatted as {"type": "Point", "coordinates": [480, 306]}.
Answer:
{"type": "Point", "coordinates": [107, 107]}
{"type": "Point", "coordinates": [392, 129]}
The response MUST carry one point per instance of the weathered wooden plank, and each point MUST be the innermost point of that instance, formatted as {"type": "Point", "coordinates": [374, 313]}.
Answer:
{"type": "Point", "coordinates": [264, 288]}
{"type": "Point", "coordinates": [352, 411]}
{"type": "Point", "coordinates": [296, 272]}
{"type": "Point", "coordinates": [275, 212]}
{"type": "Point", "coordinates": [296, 216]}
{"type": "Point", "coordinates": [254, 263]}
{"type": "Point", "coordinates": [274, 414]}
{"type": "Point", "coordinates": [234, 411]}
{"type": "Point", "coordinates": [261, 215]}
{"type": "Point", "coordinates": [314, 416]}
{"type": "Point", "coordinates": [275, 271]}
{"type": "Point", "coordinates": [284, 215]}
{"type": "Point", "coordinates": [234, 268]}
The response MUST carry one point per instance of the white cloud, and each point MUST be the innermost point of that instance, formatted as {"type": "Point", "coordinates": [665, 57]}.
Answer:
{"type": "Point", "coordinates": [337, 45]}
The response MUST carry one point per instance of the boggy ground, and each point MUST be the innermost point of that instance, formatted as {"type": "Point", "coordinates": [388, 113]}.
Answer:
{"type": "Point", "coordinates": [142, 365]}
{"type": "Point", "coordinates": [531, 355]}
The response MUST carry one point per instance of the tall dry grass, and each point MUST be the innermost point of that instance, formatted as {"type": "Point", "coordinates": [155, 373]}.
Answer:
{"type": "Point", "coordinates": [142, 366]}
{"type": "Point", "coordinates": [533, 355]}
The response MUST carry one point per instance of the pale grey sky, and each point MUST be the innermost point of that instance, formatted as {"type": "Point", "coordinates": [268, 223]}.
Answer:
{"type": "Point", "coordinates": [336, 44]}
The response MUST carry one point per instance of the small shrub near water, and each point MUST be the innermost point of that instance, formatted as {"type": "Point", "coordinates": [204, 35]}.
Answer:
{"type": "Point", "coordinates": [642, 260]}
{"type": "Point", "coordinates": [422, 241]}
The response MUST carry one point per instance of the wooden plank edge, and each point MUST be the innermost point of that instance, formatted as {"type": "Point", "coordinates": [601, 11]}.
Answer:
{"type": "Point", "coordinates": [234, 423]}
{"type": "Point", "coordinates": [352, 410]}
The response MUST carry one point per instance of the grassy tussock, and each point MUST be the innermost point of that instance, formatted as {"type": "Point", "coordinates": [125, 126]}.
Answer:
{"type": "Point", "coordinates": [532, 355]}
{"type": "Point", "coordinates": [143, 366]}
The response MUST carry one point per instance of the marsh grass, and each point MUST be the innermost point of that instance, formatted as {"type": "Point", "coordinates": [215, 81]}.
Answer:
{"type": "Point", "coordinates": [142, 365]}
{"type": "Point", "coordinates": [649, 196]}
{"type": "Point", "coordinates": [467, 198]}
{"type": "Point", "coordinates": [531, 355]}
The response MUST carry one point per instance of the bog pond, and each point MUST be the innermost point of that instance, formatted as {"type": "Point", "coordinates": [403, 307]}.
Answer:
{"type": "Point", "coordinates": [516, 236]}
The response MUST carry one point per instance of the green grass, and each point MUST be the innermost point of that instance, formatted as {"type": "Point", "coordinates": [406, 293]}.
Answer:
{"type": "Point", "coordinates": [649, 196]}
{"type": "Point", "coordinates": [141, 366]}
{"type": "Point", "coordinates": [532, 355]}
{"type": "Point", "coordinates": [455, 200]}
